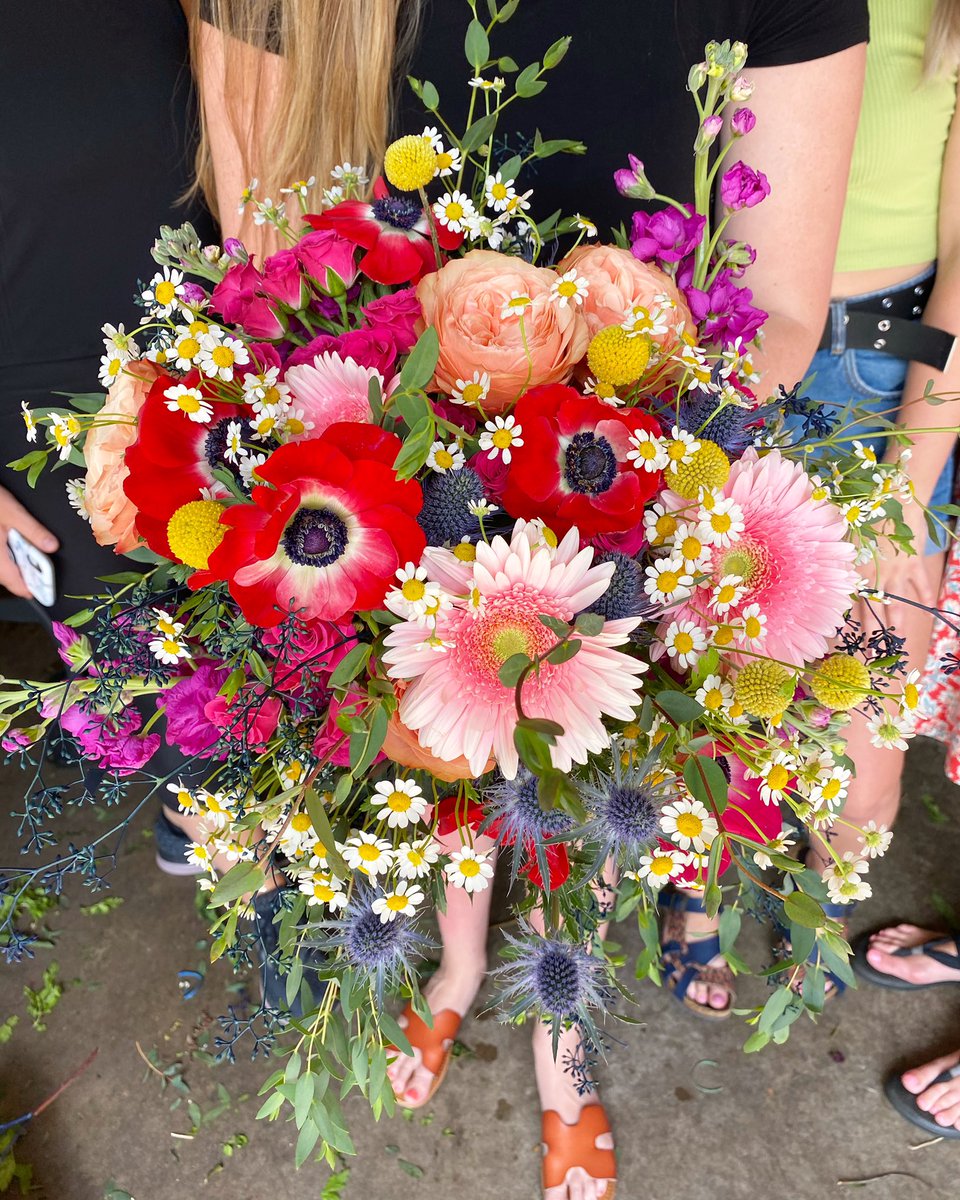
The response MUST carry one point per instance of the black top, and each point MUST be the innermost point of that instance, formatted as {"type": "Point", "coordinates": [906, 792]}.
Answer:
{"type": "Point", "coordinates": [621, 87]}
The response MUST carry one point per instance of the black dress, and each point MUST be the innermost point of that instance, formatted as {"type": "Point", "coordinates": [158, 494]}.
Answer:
{"type": "Point", "coordinates": [96, 147]}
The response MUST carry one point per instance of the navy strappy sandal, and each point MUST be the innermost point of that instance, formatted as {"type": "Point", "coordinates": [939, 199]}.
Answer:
{"type": "Point", "coordinates": [685, 962]}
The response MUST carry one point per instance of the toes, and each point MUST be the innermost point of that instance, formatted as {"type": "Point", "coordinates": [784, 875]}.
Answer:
{"type": "Point", "coordinates": [719, 998]}
{"type": "Point", "coordinates": [698, 993]}
{"type": "Point", "coordinates": [918, 1078]}
{"type": "Point", "coordinates": [891, 964]}
{"type": "Point", "coordinates": [418, 1086]}
{"type": "Point", "coordinates": [949, 1116]}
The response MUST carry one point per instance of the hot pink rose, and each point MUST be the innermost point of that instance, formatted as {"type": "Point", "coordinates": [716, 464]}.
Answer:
{"type": "Point", "coordinates": [316, 647]}
{"type": "Point", "coordinates": [367, 347]}
{"type": "Point", "coordinates": [325, 249]}
{"type": "Point", "coordinates": [396, 315]}
{"type": "Point", "coordinates": [237, 299]}
{"type": "Point", "coordinates": [617, 281]}
{"type": "Point", "coordinates": [112, 515]}
{"type": "Point", "coordinates": [241, 721]}
{"type": "Point", "coordinates": [281, 279]}
{"type": "Point", "coordinates": [465, 301]}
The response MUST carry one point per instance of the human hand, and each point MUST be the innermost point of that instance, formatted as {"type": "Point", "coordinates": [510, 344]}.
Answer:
{"type": "Point", "coordinates": [14, 516]}
{"type": "Point", "coordinates": [899, 574]}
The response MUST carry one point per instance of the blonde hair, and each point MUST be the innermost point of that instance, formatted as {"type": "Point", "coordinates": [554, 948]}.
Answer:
{"type": "Point", "coordinates": [333, 98]}
{"type": "Point", "coordinates": [942, 50]}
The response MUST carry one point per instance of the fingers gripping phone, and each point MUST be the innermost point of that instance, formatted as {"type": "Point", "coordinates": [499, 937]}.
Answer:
{"type": "Point", "coordinates": [35, 567]}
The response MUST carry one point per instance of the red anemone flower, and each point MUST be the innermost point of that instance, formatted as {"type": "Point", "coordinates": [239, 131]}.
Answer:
{"type": "Point", "coordinates": [394, 232]}
{"type": "Point", "coordinates": [572, 469]}
{"type": "Point", "coordinates": [171, 462]}
{"type": "Point", "coordinates": [328, 534]}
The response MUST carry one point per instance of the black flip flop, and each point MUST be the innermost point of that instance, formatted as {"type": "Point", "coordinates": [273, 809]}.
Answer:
{"type": "Point", "coordinates": [866, 971]}
{"type": "Point", "coordinates": [906, 1104]}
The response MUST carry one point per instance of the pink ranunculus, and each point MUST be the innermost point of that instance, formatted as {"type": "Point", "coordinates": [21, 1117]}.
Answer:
{"type": "Point", "coordinates": [397, 316]}
{"type": "Point", "coordinates": [367, 347]}
{"type": "Point", "coordinates": [743, 187]}
{"type": "Point", "coordinates": [237, 299]}
{"type": "Point", "coordinates": [281, 279]}
{"type": "Point", "coordinates": [465, 301]}
{"type": "Point", "coordinates": [616, 281]}
{"type": "Point", "coordinates": [241, 721]}
{"type": "Point", "coordinates": [188, 726]}
{"type": "Point", "coordinates": [322, 250]}
{"type": "Point", "coordinates": [112, 514]}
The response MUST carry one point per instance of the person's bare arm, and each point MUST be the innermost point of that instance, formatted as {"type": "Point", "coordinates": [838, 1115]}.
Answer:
{"type": "Point", "coordinates": [806, 121]}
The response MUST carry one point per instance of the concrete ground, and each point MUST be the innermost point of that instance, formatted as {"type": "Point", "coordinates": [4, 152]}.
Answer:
{"type": "Point", "coordinates": [694, 1116]}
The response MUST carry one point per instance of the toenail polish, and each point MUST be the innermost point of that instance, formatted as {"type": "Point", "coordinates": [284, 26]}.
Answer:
{"type": "Point", "coordinates": [413, 1093]}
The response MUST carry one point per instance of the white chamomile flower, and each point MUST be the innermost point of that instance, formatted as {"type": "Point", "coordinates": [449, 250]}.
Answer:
{"type": "Point", "coordinates": [248, 468]}
{"type": "Point", "coordinates": [688, 823]}
{"type": "Point", "coordinates": [727, 593]}
{"type": "Point", "coordinates": [724, 520]}
{"type": "Point", "coordinates": [481, 508]}
{"type": "Point", "coordinates": [291, 772]}
{"type": "Point", "coordinates": [415, 596]}
{"type": "Point", "coordinates": [298, 836]}
{"type": "Point", "coordinates": [844, 879]}
{"type": "Point", "coordinates": [77, 497]}
{"type": "Point", "coordinates": [685, 641]}
{"type": "Point", "coordinates": [220, 354]}
{"type": "Point", "coordinates": [320, 887]}
{"type": "Point", "coordinates": [866, 454]}
{"type": "Point", "coordinates": [830, 787]}
{"type": "Point", "coordinates": [497, 84]}
{"type": "Point", "coordinates": [403, 802]}
{"type": "Point", "coordinates": [234, 448]}
{"type": "Point", "coordinates": [854, 513]}
{"type": "Point", "coordinates": [111, 366]}
{"type": "Point", "coordinates": [659, 867]}
{"type": "Point", "coordinates": [444, 458]}
{"type": "Point", "coordinates": [29, 420]}
{"type": "Point", "coordinates": [482, 228]}
{"type": "Point", "coordinates": [910, 696]}
{"type": "Point", "coordinates": [169, 650]}
{"type": "Point", "coordinates": [603, 391]}
{"type": "Point", "coordinates": [500, 436]}
{"type": "Point", "coordinates": [247, 195]}
{"type": "Point", "coordinates": [62, 431]}
{"type": "Point", "coordinates": [472, 391]}
{"type": "Point", "coordinates": [691, 545]}
{"type": "Point", "coordinates": [115, 337]}
{"type": "Point", "coordinates": [668, 581]}
{"type": "Point", "coordinates": [570, 288]}
{"type": "Point", "coordinates": [681, 447]}
{"type": "Point", "coordinates": [300, 187]}
{"type": "Point", "coordinates": [890, 732]}
{"type": "Point", "coordinates": [647, 451]}
{"type": "Point", "coordinates": [715, 694]}
{"type": "Point", "coordinates": [639, 320]}
{"type": "Point", "coordinates": [163, 292]}
{"type": "Point", "coordinates": [659, 524]}
{"type": "Point", "coordinates": [401, 902]}
{"type": "Point", "coordinates": [821, 488]}
{"type": "Point", "coordinates": [754, 624]}
{"type": "Point", "coordinates": [367, 853]}
{"type": "Point", "coordinates": [875, 839]}
{"type": "Point", "coordinates": [515, 306]}
{"type": "Point", "coordinates": [190, 402]}
{"type": "Point", "coordinates": [585, 225]}
{"type": "Point", "coordinates": [200, 854]}
{"type": "Point", "coordinates": [415, 861]}
{"type": "Point", "coordinates": [186, 801]}
{"type": "Point", "coordinates": [498, 192]}
{"type": "Point", "coordinates": [454, 211]}
{"type": "Point", "coordinates": [781, 844]}
{"type": "Point", "coordinates": [185, 347]}
{"type": "Point", "coordinates": [469, 869]}
{"type": "Point", "coordinates": [776, 775]}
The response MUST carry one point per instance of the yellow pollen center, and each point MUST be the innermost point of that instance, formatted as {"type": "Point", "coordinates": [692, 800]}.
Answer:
{"type": "Point", "coordinates": [115, 367]}
{"type": "Point", "coordinates": [666, 526]}
{"type": "Point", "coordinates": [713, 700]}
{"type": "Point", "coordinates": [443, 458]}
{"type": "Point", "coordinates": [689, 825]}
{"type": "Point", "coordinates": [720, 522]}
{"type": "Point", "coordinates": [692, 547]}
{"type": "Point", "coordinates": [723, 635]}
{"type": "Point", "coordinates": [188, 348]}
{"type": "Point", "coordinates": [223, 356]}
{"type": "Point", "coordinates": [911, 697]}
{"type": "Point", "coordinates": [324, 892]}
{"type": "Point", "coordinates": [444, 160]}
{"type": "Point", "coordinates": [753, 628]}
{"type": "Point", "coordinates": [465, 552]}
{"type": "Point", "coordinates": [677, 451]}
{"type": "Point", "coordinates": [398, 802]}
{"type": "Point", "coordinates": [662, 865]}
{"type": "Point", "coordinates": [301, 823]}
{"type": "Point", "coordinates": [727, 594]}
{"type": "Point", "coordinates": [472, 393]}
{"type": "Point", "coordinates": [170, 646]}
{"type": "Point", "coordinates": [413, 590]}
{"type": "Point", "coordinates": [777, 777]}
{"type": "Point", "coordinates": [454, 210]}
{"type": "Point", "coordinates": [499, 191]}
{"type": "Point", "coordinates": [397, 903]}
{"type": "Point", "coordinates": [189, 402]}
{"type": "Point", "coordinates": [164, 292]}
{"type": "Point", "coordinates": [368, 852]}
{"type": "Point", "coordinates": [469, 868]}
{"type": "Point", "coordinates": [199, 327]}
{"type": "Point", "coordinates": [568, 288]}
{"type": "Point", "coordinates": [667, 582]}
{"type": "Point", "coordinates": [831, 789]}
{"type": "Point", "coordinates": [683, 643]}
{"type": "Point", "coordinates": [502, 439]}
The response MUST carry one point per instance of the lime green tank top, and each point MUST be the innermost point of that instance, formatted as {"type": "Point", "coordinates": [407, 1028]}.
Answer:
{"type": "Point", "coordinates": [890, 217]}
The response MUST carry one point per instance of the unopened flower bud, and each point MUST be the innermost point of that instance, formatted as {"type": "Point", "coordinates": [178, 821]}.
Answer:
{"type": "Point", "coordinates": [738, 54]}
{"type": "Point", "coordinates": [192, 294]}
{"type": "Point", "coordinates": [632, 181]}
{"type": "Point", "coordinates": [235, 249]}
{"type": "Point", "coordinates": [742, 122]}
{"type": "Point", "coordinates": [707, 133]}
{"type": "Point", "coordinates": [212, 253]}
{"type": "Point", "coordinates": [741, 89]}
{"type": "Point", "coordinates": [697, 76]}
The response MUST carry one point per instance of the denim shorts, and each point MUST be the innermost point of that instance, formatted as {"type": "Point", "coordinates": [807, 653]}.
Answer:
{"type": "Point", "coordinates": [871, 381]}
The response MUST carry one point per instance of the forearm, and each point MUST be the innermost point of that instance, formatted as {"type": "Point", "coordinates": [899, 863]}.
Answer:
{"type": "Point", "coordinates": [784, 357]}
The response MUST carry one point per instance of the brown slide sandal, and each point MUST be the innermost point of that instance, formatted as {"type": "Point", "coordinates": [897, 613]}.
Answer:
{"type": "Point", "coordinates": [435, 1046]}
{"type": "Point", "coordinates": [568, 1146]}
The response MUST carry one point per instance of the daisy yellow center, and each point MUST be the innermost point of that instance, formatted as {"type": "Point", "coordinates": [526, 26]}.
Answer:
{"type": "Point", "coordinates": [368, 853]}
{"type": "Point", "coordinates": [631, 732]}
{"type": "Point", "coordinates": [188, 348]}
{"type": "Point", "coordinates": [708, 467]}
{"type": "Point", "coordinates": [502, 439]}
{"type": "Point", "coordinates": [713, 700]}
{"type": "Point", "coordinates": [293, 772]}
{"type": "Point", "coordinates": [616, 358]}
{"type": "Point", "coordinates": [184, 799]}
{"type": "Point", "coordinates": [720, 522]}
{"type": "Point", "coordinates": [727, 594]}
{"type": "Point", "coordinates": [469, 868]}
{"type": "Point", "coordinates": [265, 424]}
{"type": "Point", "coordinates": [189, 402]}
{"type": "Point", "coordinates": [683, 643]}
{"type": "Point", "coordinates": [853, 514]}
{"type": "Point", "coordinates": [170, 646]}
{"type": "Point", "coordinates": [677, 451]}
{"type": "Point", "coordinates": [465, 552]}
{"type": "Point", "coordinates": [453, 211]}
{"type": "Point", "coordinates": [499, 191]}
{"type": "Point", "coordinates": [691, 547]}
{"type": "Point", "coordinates": [324, 892]}
{"type": "Point", "coordinates": [410, 163]}
{"type": "Point", "coordinates": [397, 903]}
{"type": "Point", "coordinates": [662, 865]}
{"type": "Point", "coordinates": [165, 292]}
{"type": "Point", "coordinates": [300, 823]}
{"type": "Point", "coordinates": [911, 697]}
{"type": "Point", "coordinates": [295, 426]}
{"type": "Point", "coordinates": [413, 590]}
{"type": "Point", "coordinates": [115, 367]}
{"type": "Point", "coordinates": [223, 356]}
{"type": "Point", "coordinates": [444, 458]}
{"type": "Point", "coordinates": [201, 852]}
{"type": "Point", "coordinates": [398, 802]}
{"type": "Point", "coordinates": [271, 396]}
{"type": "Point", "coordinates": [831, 789]}
{"type": "Point", "coordinates": [666, 526]}
{"type": "Point", "coordinates": [444, 160]}
{"type": "Point", "coordinates": [753, 627]}
{"type": "Point", "coordinates": [198, 327]}
{"type": "Point", "coordinates": [415, 858]}
{"type": "Point", "coordinates": [723, 635]}
{"type": "Point", "coordinates": [520, 302]}
{"type": "Point", "coordinates": [667, 582]}
{"type": "Point", "coordinates": [166, 627]}
{"type": "Point", "coordinates": [568, 287]}
{"type": "Point", "coordinates": [777, 777]}
{"type": "Point", "coordinates": [689, 825]}
{"type": "Point", "coordinates": [647, 450]}
{"type": "Point", "coordinates": [194, 532]}
{"type": "Point", "coordinates": [605, 391]}
{"type": "Point", "coordinates": [472, 393]}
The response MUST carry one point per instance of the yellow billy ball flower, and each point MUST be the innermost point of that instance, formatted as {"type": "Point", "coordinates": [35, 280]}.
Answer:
{"type": "Point", "coordinates": [194, 532]}
{"type": "Point", "coordinates": [616, 357]}
{"type": "Point", "coordinates": [763, 688]}
{"type": "Point", "coordinates": [708, 468]}
{"type": "Point", "coordinates": [840, 682]}
{"type": "Point", "coordinates": [410, 163]}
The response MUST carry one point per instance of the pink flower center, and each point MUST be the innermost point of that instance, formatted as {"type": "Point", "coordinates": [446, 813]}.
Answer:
{"type": "Point", "coordinates": [508, 625]}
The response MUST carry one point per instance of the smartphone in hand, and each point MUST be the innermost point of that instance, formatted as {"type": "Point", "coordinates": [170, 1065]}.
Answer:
{"type": "Point", "coordinates": [35, 567]}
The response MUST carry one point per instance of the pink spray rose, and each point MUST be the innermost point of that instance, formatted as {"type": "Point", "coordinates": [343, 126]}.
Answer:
{"type": "Point", "coordinates": [237, 298]}
{"type": "Point", "coordinates": [322, 250]}
{"type": "Point", "coordinates": [242, 722]}
{"type": "Point", "coordinates": [281, 279]}
{"type": "Point", "coordinates": [397, 316]}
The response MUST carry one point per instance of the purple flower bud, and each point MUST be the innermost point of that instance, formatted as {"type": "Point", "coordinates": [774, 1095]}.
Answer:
{"type": "Point", "coordinates": [631, 181]}
{"type": "Point", "coordinates": [235, 249]}
{"type": "Point", "coordinates": [193, 294]}
{"type": "Point", "coordinates": [743, 187]}
{"type": "Point", "coordinates": [707, 134]}
{"type": "Point", "coordinates": [743, 121]}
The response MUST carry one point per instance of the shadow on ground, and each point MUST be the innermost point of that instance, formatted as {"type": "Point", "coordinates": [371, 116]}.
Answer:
{"type": "Point", "coordinates": [695, 1117]}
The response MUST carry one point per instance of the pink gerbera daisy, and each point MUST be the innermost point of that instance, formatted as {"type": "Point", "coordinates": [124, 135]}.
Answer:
{"type": "Point", "coordinates": [456, 702]}
{"type": "Point", "coordinates": [329, 390]}
{"type": "Point", "coordinates": [792, 558]}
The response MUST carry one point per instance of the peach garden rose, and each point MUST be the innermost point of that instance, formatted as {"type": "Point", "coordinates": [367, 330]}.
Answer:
{"type": "Point", "coordinates": [469, 302]}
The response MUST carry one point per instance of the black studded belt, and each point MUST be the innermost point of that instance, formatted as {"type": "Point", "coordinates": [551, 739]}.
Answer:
{"type": "Point", "coordinates": [891, 324]}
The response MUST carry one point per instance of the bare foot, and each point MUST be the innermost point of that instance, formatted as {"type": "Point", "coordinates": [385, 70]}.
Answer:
{"type": "Point", "coordinates": [915, 968]}
{"type": "Point", "coordinates": [559, 1093]}
{"type": "Point", "coordinates": [450, 987]}
{"type": "Point", "coordinates": [940, 1100]}
{"type": "Point", "coordinates": [713, 995]}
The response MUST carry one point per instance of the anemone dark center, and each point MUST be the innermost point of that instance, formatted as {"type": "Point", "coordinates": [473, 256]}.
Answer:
{"type": "Point", "coordinates": [370, 943]}
{"type": "Point", "coordinates": [316, 537]}
{"type": "Point", "coordinates": [558, 983]}
{"type": "Point", "coordinates": [590, 465]}
{"type": "Point", "coordinates": [631, 812]}
{"type": "Point", "coordinates": [397, 211]}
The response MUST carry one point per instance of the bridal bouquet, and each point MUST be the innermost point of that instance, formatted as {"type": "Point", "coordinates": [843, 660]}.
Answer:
{"type": "Point", "coordinates": [450, 530]}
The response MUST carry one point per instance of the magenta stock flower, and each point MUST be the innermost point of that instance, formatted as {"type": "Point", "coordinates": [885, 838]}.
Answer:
{"type": "Point", "coordinates": [188, 726]}
{"type": "Point", "coordinates": [111, 741]}
{"type": "Point", "coordinates": [725, 312]}
{"type": "Point", "coordinates": [456, 703]}
{"type": "Point", "coordinates": [632, 181]}
{"type": "Point", "coordinates": [665, 236]}
{"type": "Point", "coordinates": [743, 121]}
{"type": "Point", "coordinates": [743, 187]}
{"type": "Point", "coordinates": [367, 347]}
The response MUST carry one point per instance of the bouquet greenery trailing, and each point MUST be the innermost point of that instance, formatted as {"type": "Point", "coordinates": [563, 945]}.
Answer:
{"type": "Point", "coordinates": [441, 530]}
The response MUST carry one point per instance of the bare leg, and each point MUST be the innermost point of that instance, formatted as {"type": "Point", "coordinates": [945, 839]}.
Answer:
{"type": "Point", "coordinates": [699, 926]}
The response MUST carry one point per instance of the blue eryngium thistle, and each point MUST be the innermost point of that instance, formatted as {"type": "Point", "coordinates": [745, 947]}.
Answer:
{"type": "Point", "coordinates": [624, 809]}
{"type": "Point", "coordinates": [625, 596]}
{"type": "Point", "coordinates": [380, 954]}
{"type": "Point", "coordinates": [731, 427]}
{"type": "Point", "coordinates": [514, 817]}
{"type": "Point", "coordinates": [445, 517]}
{"type": "Point", "coordinates": [554, 981]}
